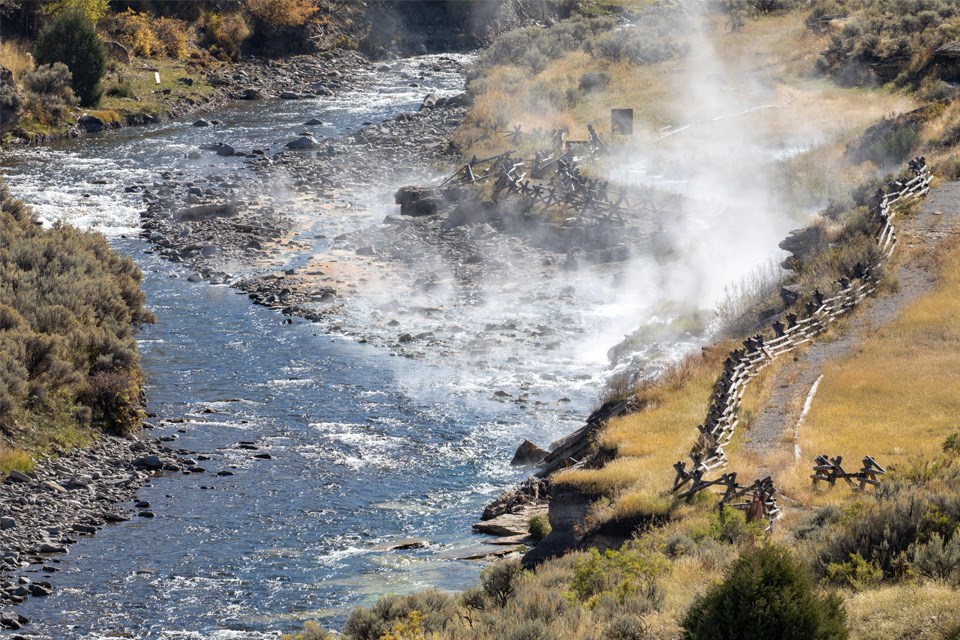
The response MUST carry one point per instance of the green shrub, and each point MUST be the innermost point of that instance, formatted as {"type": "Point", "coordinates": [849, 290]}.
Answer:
{"type": "Point", "coordinates": [619, 575]}
{"type": "Point", "coordinates": [952, 443]}
{"type": "Point", "coordinates": [856, 573]}
{"type": "Point", "coordinates": [72, 39]}
{"type": "Point", "coordinates": [431, 611]}
{"type": "Point", "coordinates": [894, 148]}
{"type": "Point", "coordinates": [540, 527]}
{"type": "Point", "coordinates": [67, 347]}
{"type": "Point", "coordinates": [939, 560]}
{"type": "Point", "coordinates": [765, 595]}
{"type": "Point", "coordinates": [500, 581]}
{"type": "Point", "coordinates": [121, 90]}
{"type": "Point", "coordinates": [594, 81]}
{"type": "Point", "coordinates": [49, 97]}
{"type": "Point", "coordinates": [311, 631]}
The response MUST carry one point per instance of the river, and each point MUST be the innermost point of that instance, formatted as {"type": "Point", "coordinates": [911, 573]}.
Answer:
{"type": "Point", "coordinates": [367, 448]}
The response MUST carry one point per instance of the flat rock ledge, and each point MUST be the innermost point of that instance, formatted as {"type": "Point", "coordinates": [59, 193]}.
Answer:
{"type": "Point", "coordinates": [45, 511]}
{"type": "Point", "coordinates": [515, 523]}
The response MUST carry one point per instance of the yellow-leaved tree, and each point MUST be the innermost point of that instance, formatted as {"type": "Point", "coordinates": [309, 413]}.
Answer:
{"type": "Point", "coordinates": [93, 9]}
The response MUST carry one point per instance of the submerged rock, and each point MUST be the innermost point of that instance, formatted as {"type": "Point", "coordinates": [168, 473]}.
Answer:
{"type": "Point", "coordinates": [303, 143]}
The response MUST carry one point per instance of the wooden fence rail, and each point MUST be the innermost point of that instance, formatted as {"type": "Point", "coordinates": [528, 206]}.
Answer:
{"type": "Point", "coordinates": [744, 364]}
{"type": "Point", "coordinates": [553, 180]}
{"type": "Point", "coordinates": [830, 470]}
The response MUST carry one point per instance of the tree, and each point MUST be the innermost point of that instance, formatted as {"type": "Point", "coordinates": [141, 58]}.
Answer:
{"type": "Point", "coordinates": [766, 595]}
{"type": "Point", "coordinates": [93, 9]}
{"type": "Point", "coordinates": [72, 39]}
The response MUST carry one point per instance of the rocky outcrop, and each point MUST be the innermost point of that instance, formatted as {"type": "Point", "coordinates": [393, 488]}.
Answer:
{"type": "Point", "coordinates": [11, 102]}
{"type": "Point", "coordinates": [567, 510]}
{"type": "Point", "coordinates": [527, 454]}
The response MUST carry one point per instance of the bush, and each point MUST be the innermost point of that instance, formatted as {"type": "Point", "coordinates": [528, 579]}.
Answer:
{"type": "Point", "coordinates": [427, 612]}
{"type": "Point", "coordinates": [766, 594]}
{"type": "Point", "coordinates": [540, 527]}
{"type": "Point", "coordinates": [619, 575]}
{"type": "Point", "coordinates": [311, 631]}
{"type": "Point", "coordinates": [172, 36]}
{"type": "Point", "coordinates": [73, 40]}
{"type": "Point", "coordinates": [856, 573]}
{"type": "Point", "coordinates": [594, 81]}
{"type": "Point", "coordinates": [952, 443]}
{"type": "Point", "coordinates": [226, 33]}
{"type": "Point", "coordinates": [134, 31]}
{"type": "Point", "coordinates": [121, 90]}
{"type": "Point", "coordinates": [907, 511]}
{"type": "Point", "coordinates": [49, 97]}
{"type": "Point", "coordinates": [92, 9]}
{"type": "Point", "coordinates": [275, 14]}
{"type": "Point", "coordinates": [67, 349]}
{"type": "Point", "coordinates": [500, 581]}
{"type": "Point", "coordinates": [939, 560]}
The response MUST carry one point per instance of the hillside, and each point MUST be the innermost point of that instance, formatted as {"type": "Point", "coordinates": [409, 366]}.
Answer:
{"type": "Point", "coordinates": [647, 549]}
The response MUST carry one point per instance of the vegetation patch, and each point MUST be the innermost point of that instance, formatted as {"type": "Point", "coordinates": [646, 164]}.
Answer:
{"type": "Point", "coordinates": [68, 358]}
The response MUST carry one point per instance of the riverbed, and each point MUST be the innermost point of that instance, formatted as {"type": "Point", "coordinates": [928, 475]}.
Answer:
{"type": "Point", "coordinates": [367, 449]}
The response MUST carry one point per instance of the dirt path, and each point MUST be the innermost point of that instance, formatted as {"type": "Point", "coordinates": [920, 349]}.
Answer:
{"type": "Point", "coordinates": [771, 436]}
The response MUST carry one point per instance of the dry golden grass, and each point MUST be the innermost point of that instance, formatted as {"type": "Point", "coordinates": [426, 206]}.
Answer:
{"type": "Point", "coordinates": [923, 612]}
{"type": "Point", "coordinates": [898, 396]}
{"type": "Point", "coordinates": [11, 458]}
{"type": "Point", "coordinates": [650, 441]}
{"type": "Point", "coordinates": [15, 57]}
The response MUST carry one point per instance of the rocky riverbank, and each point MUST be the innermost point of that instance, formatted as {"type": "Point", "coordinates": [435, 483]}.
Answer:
{"type": "Point", "coordinates": [66, 498]}
{"type": "Point", "coordinates": [300, 77]}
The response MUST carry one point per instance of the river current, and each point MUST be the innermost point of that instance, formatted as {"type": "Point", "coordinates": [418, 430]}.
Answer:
{"type": "Point", "coordinates": [367, 449]}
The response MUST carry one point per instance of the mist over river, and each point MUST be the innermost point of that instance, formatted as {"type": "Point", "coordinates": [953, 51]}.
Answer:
{"type": "Point", "coordinates": [366, 448]}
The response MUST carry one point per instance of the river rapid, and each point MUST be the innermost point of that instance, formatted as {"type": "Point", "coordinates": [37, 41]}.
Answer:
{"type": "Point", "coordinates": [367, 449]}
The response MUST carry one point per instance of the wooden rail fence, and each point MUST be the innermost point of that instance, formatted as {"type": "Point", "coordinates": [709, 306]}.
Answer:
{"type": "Point", "coordinates": [830, 470]}
{"type": "Point", "coordinates": [553, 180]}
{"type": "Point", "coordinates": [744, 364]}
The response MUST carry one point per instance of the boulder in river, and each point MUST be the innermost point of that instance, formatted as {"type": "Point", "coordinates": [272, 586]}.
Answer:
{"type": "Point", "coordinates": [202, 122]}
{"type": "Point", "coordinates": [90, 124]}
{"type": "Point", "coordinates": [221, 148]}
{"type": "Point", "coordinates": [207, 212]}
{"type": "Point", "coordinates": [303, 143]}
{"type": "Point", "coordinates": [528, 454]}
{"type": "Point", "coordinates": [289, 95]}
{"type": "Point", "coordinates": [429, 102]}
{"type": "Point", "coordinates": [313, 122]}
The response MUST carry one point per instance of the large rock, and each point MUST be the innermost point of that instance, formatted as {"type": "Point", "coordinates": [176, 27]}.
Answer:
{"type": "Point", "coordinates": [221, 148]}
{"type": "Point", "coordinates": [18, 476]}
{"type": "Point", "coordinates": [150, 463]}
{"type": "Point", "coordinates": [416, 201]}
{"type": "Point", "coordinates": [511, 524]}
{"type": "Point", "coordinates": [471, 212]}
{"type": "Point", "coordinates": [11, 102]}
{"type": "Point", "coordinates": [90, 124]}
{"type": "Point", "coordinates": [527, 454]}
{"type": "Point", "coordinates": [303, 143]}
{"type": "Point", "coordinates": [207, 212]}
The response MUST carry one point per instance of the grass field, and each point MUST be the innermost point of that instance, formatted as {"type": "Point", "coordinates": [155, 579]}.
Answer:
{"type": "Point", "coordinates": [897, 397]}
